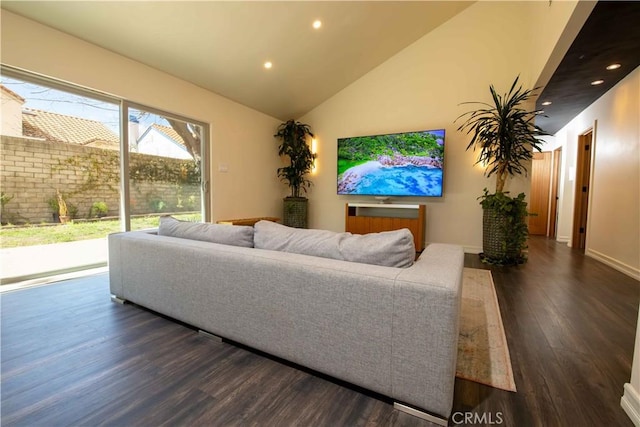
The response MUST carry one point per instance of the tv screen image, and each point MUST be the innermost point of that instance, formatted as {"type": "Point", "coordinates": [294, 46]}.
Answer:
{"type": "Point", "coordinates": [397, 164]}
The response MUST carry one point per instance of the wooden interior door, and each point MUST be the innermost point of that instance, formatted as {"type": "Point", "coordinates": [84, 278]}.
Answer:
{"type": "Point", "coordinates": [555, 184]}
{"type": "Point", "coordinates": [539, 200]}
{"type": "Point", "coordinates": [583, 175]}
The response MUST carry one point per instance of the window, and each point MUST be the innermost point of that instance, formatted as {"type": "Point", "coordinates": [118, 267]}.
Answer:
{"type": "Point", "coordinates": [165, 162]}
{"type": "Point", "coordinates": [62, 161]}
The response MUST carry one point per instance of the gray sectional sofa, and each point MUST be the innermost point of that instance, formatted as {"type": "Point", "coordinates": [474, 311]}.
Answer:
{"type": "Point", "coordinates": [393, 330]}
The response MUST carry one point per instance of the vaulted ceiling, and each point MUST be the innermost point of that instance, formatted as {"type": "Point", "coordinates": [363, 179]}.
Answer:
{"type": "Point", "coordinates": [222, 46]}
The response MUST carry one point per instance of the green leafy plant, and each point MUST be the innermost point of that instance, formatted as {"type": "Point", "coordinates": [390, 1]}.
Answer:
{"type": "Point", "coordinates": [5, 198]}
{"type": "Point", "coordinates": [99, 209]}
{"type": "Point", "coordinates": [53, 204]}
{"type": "Point", "coordinates": [505, 134]}
{"type": "Point", "coordinates": [72, 210]}
{"type": "Point", "coordinates": [97, 169]}
{"type": "Point", "coordinates": [513, 229]}
{"type": "Point", "coordinates": [294, 145]}
{"type": "Point", "coordinates": [157, 204]}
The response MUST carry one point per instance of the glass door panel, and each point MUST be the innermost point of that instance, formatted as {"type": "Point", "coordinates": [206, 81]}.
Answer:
{"type": "Point", "coordinates": [60, 178]}
{"type": "Point", "coordinates": [165, 169]}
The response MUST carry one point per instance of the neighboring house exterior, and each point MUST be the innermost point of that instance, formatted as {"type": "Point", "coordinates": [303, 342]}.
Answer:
{"type": "Point", "coordinates": [11, 112]}
{"type": "Point", "coordinates": [42, 152]}
{"type": "Point", "coordinates": [162, 141]}
{"type": "Point", "coordinates": [54, 127]}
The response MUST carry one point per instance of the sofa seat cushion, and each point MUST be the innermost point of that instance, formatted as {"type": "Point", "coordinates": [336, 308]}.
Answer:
{"type": "Point", "coordinates": [388, 248]}
{"type": "Point", "coordinates": [234, 235]}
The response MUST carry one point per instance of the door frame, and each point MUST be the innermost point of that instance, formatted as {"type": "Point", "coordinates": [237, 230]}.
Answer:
{"type": "Point", "coordinates": [582, 196]}
{"type": "Point", "coordinates": [555, 184]}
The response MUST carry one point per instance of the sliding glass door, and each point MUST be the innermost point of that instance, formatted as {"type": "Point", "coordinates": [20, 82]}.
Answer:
{"type": "Point", "coordinates": [79, 164]}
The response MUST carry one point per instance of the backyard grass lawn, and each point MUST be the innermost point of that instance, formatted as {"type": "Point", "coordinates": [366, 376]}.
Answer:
{"type": "Point", "coordinates": [11, 237]}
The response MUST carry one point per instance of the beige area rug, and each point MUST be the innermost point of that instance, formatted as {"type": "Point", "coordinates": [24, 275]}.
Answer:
{"type": "Point", "coordinates": [483, 355]}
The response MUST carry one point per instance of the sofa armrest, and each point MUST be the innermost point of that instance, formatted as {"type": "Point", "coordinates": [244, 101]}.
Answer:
{"type": "Point", "coordinates": [426, 315]}
{"type": "Point", "coordinates": [115, 264]}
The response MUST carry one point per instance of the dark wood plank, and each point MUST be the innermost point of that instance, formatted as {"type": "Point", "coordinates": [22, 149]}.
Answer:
{"type": "Point", "coordinates": [72, 357]}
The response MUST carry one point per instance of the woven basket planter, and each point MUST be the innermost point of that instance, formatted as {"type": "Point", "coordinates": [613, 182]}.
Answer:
{"type": "Point", "coordinates": [295, 212]}
{"type": "Point", "coordinates": [495, 225]}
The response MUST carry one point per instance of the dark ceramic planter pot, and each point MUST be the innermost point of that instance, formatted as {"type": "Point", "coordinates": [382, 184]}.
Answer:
{"type": "Point", "coordinates": [495, 224]}
{"type": "Point", "coordinates": [295, 212]}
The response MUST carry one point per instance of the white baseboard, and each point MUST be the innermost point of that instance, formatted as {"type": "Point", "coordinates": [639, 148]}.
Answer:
{"type": "Point", "coordinates": [630, 402]}
{"type": "Point", "coordinates": [563, 239]}
{"type": "Point", "coordinates": [614, 263]}
{"type": "Point", "coordinates": [472, 249]}
{"type": "Point", "coordinates": [467, 249]}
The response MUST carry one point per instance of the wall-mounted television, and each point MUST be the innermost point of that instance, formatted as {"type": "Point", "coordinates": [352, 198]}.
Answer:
{"type": "Point", "coordinates": [396, 164]}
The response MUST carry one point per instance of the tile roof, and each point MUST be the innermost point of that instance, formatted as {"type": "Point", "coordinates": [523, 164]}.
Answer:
{"type": "Point", "coordinates": [56, 127]}
{"type": "Point", "coordinates": [12, 93]}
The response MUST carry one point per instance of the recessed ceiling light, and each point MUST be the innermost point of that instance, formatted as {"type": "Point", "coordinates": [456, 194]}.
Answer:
{"type": "Point", "coordinates": [317, 24]}
{"type": "Point", "coordinates": [597, 82]}
{"type": "Point", "coordinates": [546, 103]}
{"type": "Point", "coordinates": [268, 65]}
{"type": "Point", "coordinates": [613, 67]}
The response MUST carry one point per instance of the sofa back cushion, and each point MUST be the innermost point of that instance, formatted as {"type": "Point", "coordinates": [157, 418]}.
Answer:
{"type": "Point", "coordinates": [235, 235]}
{"type": "Point", "coordinates": [388, 248]}
{"type": "Point", "coordinates": [278, 237]}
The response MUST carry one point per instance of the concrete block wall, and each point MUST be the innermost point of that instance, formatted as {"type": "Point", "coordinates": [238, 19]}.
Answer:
{"type": "Point", "coordinates": [32, 170]}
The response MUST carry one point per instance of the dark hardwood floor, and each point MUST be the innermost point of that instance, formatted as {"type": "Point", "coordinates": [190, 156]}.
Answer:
{"type": "Point", "coordinates": [71, 357]}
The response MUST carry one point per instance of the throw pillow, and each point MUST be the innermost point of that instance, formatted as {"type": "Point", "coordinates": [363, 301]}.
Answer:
{"type": "Point", "coordinates": [388, 248]}
{"type": "Point", "coordinates": [234, 235]}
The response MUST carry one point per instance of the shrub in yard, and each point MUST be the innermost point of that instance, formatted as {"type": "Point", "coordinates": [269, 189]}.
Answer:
{"type": "Point", "coordinates": [99, 209]}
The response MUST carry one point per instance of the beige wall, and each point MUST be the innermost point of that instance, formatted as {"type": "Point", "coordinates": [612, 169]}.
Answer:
{"type": "Point", "coordinates": [241, 138]}
{"type": "Point", "coordinates": [421, 88]}
{"type": "Point", "coordinates": [613, 228]}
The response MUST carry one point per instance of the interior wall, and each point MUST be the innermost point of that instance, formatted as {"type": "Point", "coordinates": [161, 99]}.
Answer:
{"type": "Point", "coordinates": [422, 87]}
{"type": "Point", "coordinates": [613, 228]}
{"type": "Point", "coordinates": [241, 138]}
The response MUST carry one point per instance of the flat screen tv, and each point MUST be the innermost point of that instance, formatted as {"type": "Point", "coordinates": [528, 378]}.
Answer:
{"type": "Point", "coordinates": [396, 164]}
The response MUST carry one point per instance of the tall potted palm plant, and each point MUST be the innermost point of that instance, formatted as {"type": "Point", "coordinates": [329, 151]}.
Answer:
{"type": "Point", "coordinates": [293, 136]}
{"type": "Point", "coordinates": [505, 134]}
